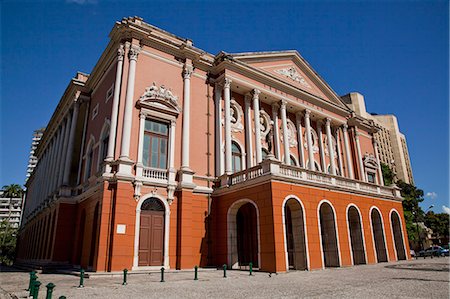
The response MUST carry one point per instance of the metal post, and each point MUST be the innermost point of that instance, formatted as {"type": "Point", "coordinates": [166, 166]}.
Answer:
{"type": "Point", "coordinates": [196, 273]}
{"type": "Point", "coordinates": [125, 271]}
{"type": "Point", "coordinates": [251, 268]}
{"type": "Point", "coordinates": [224, 270]}
{"type": "Point", "coordinates": [162, 274]}
{"type": "Point", "coordinates": [50, 288]}
{"type": "Point", "coordinates": [32, 278]}
{"type": "Point", "coordinates": [81, 279]}
{"type": "Point", "coordinates": [37, 284]}
{"type": "Point", "coordinates": [35, 277]}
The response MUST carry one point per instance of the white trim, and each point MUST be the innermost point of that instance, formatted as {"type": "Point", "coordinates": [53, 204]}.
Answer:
{"type": "Point", "coordinates": [401, 230]}
{"type": "Point", "coordinates": [166, 263]}
{"type": "Point", "coordinates": [109, 93]}
{"type": "Point", "coordinates": [373, 236]}
{"type": "Point", "coordinates": [362, 232]}
{"type": "Point", "coordinates": [232, 229]}
{"type": "Point", "coordinates": [291, 196]}
{"type": "Point", "coordinates": [320, 232]}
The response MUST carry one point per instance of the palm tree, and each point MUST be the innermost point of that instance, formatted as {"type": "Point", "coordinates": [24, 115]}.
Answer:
{"type": "Point", "coordinates": [12, 191]}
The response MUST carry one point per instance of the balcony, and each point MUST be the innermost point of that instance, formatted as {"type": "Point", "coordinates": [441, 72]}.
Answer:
{"type": "Point", "coordinates": [273, 169]}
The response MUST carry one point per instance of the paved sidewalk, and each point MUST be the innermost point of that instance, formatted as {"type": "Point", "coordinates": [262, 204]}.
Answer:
{"type": "Point", "coordinates": [423, 278]}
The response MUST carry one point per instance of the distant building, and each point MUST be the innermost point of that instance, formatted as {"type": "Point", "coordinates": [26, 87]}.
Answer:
{"type": "Point", "coordinates": [392, 147]}
{"type": "Point", "coordinates": [32, 161]}
{"type": "Point", "coordinates": [10, 209]}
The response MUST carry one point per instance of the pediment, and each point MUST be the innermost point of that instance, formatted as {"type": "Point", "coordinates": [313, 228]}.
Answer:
{"type": "Point", "coordinates": [370, 161]}
{"type": "Point", "coordinates": [291, 68]}
{"type": "Point", "coordinates": [160, 98]}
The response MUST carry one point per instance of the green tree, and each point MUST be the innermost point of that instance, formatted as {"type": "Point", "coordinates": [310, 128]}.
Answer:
{"type": "Point", "coordinates": [439, 223]}
{"type": "Point", "coordinates": [12, 191]}
{"type": "Point", "coordinates": [8, 245]}
{"type": "Point", "coordinates": [388, 174]}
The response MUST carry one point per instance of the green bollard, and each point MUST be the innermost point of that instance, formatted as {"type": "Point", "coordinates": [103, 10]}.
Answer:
{"type": "Point", "coordinates": [81, 279]}
{"type": "Point", "coordinates": [196, 273]}
{"type": "Point", "coordinates": [32, 278]}
{"type": "Point", "coordinates": [32, 281]}
{"type": "Point", "coordinates": [50, 288]}
{"type": "Point", "coordinates": [162, 274]}
{"type": "Point", "coordinates": [62, 297]}
{"type": "Point", "coordinates": [224, 270]}
{"type": "Point", "coordinates": [125, 271]}
{"type": "Point", "coordinates": [251, 268]}
{"type": "Point", "coordinates": [37, 284]}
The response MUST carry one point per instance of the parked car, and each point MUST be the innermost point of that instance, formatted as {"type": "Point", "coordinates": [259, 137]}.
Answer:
{"type": "Point", "coordinates": [434, 251]}
{"type": "Point", "coordinates": [412, 252]}
{"type": "Point", "coordinates": [446, 249]}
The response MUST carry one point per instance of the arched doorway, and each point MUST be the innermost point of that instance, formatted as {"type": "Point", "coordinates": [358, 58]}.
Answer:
{"type": "Point", "coordinates": [243, 234]}
{"type": "Point", "coordinates": [398, 236]}
{"type": "Point", "coordinates": [151, 233]}
{"type": "Point", "coordinates": [295, 235]}
{"type": "Point", "coordinates": [328, 234]}
{"type": "Point", "coordinates": [356, 236]}
{"type": "Point", "coordinates": [378, 236]}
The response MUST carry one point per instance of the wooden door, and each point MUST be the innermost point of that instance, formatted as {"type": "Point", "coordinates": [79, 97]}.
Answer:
{"type": "Point", "coordinates": [151, 238]}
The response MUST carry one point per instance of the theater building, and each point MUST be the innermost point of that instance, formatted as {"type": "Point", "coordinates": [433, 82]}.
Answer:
{"type": "Point", "coordinates": [166, 155]}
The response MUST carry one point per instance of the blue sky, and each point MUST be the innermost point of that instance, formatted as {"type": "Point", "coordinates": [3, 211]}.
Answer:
{"type": "Point", "coordinates": [396, 53]}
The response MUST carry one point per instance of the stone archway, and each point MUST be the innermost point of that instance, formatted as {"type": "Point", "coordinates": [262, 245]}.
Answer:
{"type": "Point", "coordinates": [356, 236]}
{"type": "Point", "coordinates": [243, 234]}
{"type": "Point", "coordinates": [295, 236]}
{"type": "Point", "coordinates": [328, 233]}
{"type": "Point", "coordinates": [398, 236]}
{"type": "Point", "coordinates": [378, 236]}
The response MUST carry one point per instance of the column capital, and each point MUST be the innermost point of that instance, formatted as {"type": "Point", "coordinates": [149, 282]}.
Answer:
{"type": "Point", "coordinates": [173, 122]}
{"type": "Point", "coordinates": [256, 93]}
{"type": "Point", "coordinates": [218, 86]}
{"type": "Point", "coordinates": [307, 113]}
{"type": "Point", "coordinates": [227, 82]}
{"type": "Point", "coordinates": [142, 115]}
{"type": "Point", "coordinates": [247, 98]}
{"type": "Point", "coordinates": [328, 121]}
{"type": "Point", "coordinates": [120, 52]}
{"type": "Point", "coordinates": [283, 104]}
{"type": "Point", "coordinates": [134, 52]}
{"type": "Point", "coordinates": [188, 69]}
{"type": "Point", "coordinates": [275, 108]}
{"type": "Point", "coordinates": [345, 127]}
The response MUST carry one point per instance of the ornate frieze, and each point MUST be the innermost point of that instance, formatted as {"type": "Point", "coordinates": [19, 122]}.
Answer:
{"type": "Point", "coordinates": [292, 74]}
{"type": "Point", "coordinates": [292, 134]}
{"type": "Point", "coordinates": [160, 95]}
{"type": "Point", "coordinates": [265, 124]}
{"type": "Point", "coordinates": [370, 161]}
{"type": "Point", "coordinates": [236, 116]}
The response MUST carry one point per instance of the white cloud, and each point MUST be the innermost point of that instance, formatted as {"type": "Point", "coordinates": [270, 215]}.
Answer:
{"type": "Point", "coordinates": [446, 209]}
{"type": "Point", "coordinates": [431, 195]}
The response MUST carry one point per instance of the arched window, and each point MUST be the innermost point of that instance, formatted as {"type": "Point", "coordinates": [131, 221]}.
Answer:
{"type": "Point", "coordinates": [316, 166]}
{"type": "Point", "coordinates": [236, 159]}
{"type": "Point", "coordinates": [88, 159]}
{"type": "Point", "coordinates": [104, 140]}
{"type": "Point", "coordinates": [292, 161]}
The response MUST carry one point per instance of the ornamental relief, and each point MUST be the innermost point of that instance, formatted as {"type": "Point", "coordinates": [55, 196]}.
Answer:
{"type": "Point", "coordinates": [291, 132]}
{"type": "Point", "coordinates": [161, 97]}
{"type": "Point", "coordinates": [370, 161]}
{"type": "Point", "coordinates": [333, 140]}
{"type": "Point", "coordinates": [314, 138]}
{"type": "Point", "coordinates": [292, 74]}
{"type": "Point", "coordinates": [236, 116]}
{"type": "Point", "coordinates": [265, 124]}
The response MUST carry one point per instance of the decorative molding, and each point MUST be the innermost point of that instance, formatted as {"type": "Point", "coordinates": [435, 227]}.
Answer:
{"type": "Point", "coordinates": [292, 74]}
{"type": "Point", "coordinates": [187, 71]}
{"type": "Point", "coordinates": [292, 134]}
{"type": "Point", "coordinates": [315, 139]}
{"type": "Point", "coordinates": [236, 116]}
{"type": "Point", "coordinates": [120, 52]}
{"type": "Point", "coordinates": [134, 52]}
{"type": "Point", "coordinates": [370, 161]}
{"type": "Point", "coordinates": [227, 83]}
{"type": "Point", "coordinates": [265, 124]}
{"type": "Point", "coordinates": [160, 97]}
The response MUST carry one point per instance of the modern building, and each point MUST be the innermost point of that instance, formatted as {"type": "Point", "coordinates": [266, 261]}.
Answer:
{"type": "Point", "coordinates": [392, 147]}
{"type": "Point", "coordinates": [166, 155]}
{"type": "Point", "coordinates": [32, 161]}
{"type": "Point", "coordinates": [10, 209]}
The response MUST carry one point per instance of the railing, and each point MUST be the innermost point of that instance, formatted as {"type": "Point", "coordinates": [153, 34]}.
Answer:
{"type": "Point", "coordinates": [278, 169]}
{"type": "Point", "coordinates": [155, 173]}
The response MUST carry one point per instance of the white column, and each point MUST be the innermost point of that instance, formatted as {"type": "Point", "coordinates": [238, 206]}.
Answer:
{"type": "Point", "coordinates": [258, 149]}
{"type": "Point", "coordinates": [128, 114]}
{"type": "Point", "coordinates": [339, 152]}
{"type": "Point", "coordinates": [330, 146]}
{"type": "Point", "coordinates": [172, 145]}
{"type": "Point", "coordinates": [218, 129]}
{"type": "Point", "coordinates": [323, 164]}
{"type": "Point", "coordinates": [64, 152]}
{"type": "Point", "coordinates": [301, 155]}
{"type": "Point", "coordinates": [49, 176]}
{"type": "Point", "coordinates": [377, 156]}
{"type": "Point", "coordinates": [139, 165]}
{"type": "Point", "coordinates": [227, 98]}
{"type": "Point", "coordinates": [309, 139]}
{"type": "Point", "coordinates": [347, 152]}
{"type": "Point", "coordinates": [276, 133]}
{"type": "Point", "coordinates": [60, 154]}
{"type": "Point", "coordinates": [360, 161]}
{"type": "Point", "coordinates": [68, 161]}
{"type": "Point", "coordinates": [285, 132]}
{"type": "Point", "coordinates": [248, 131]}
{"type": "Point", "coordinates": [187, 71]}
{"type": "Point", "coordinates": [115, 110]}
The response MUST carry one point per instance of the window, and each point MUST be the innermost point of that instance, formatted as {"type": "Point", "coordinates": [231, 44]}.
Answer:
{"type": "Point", "coordinates": [105, 142]}
{"type": "Point", "coordinates": [95, 111]}
{"type": "Point", "coordinates": [109, 93]}
{"type": "Point", "coordinates": [155, 150]}
{"type": "Point", "coordinates": [371, 177]}
{"type": "Point", "coordinates": [236, 159]}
